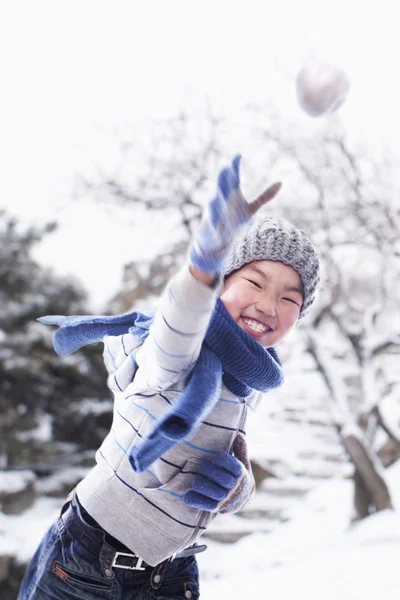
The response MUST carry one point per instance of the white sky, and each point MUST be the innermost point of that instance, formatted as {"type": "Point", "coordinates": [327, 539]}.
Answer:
{"type": "Point", "coordinates": [68, 68]}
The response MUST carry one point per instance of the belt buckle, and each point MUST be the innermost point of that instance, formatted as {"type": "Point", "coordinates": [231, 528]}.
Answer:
{"type": "Point", "coordinates": [137, 567]}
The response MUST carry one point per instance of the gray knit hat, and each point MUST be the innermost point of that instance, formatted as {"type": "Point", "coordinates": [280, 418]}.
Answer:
{"type": "Point", "coordinates": [271, 239]}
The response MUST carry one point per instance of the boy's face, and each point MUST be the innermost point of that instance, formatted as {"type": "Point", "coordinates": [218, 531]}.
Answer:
{"type": "Point", "coordinates": [264, 298]}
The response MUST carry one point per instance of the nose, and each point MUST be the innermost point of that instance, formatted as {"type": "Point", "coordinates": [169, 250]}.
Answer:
{"type": "Point", "coordinates": [267, 305]}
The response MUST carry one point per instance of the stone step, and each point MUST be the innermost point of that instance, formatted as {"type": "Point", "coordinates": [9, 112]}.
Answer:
{"type": "Point", "coordinates": [228, 529]}
{"type": "Point", "coordinates": [327, 436]}
{"type": "Point", "coordinates": [266, 506]}
{"type": "Point", "coordinates": [319, 468]}
{"type": "Point", "coordinates": [321, 421]}
{"type": "Point", "coordinates": [290, 487]}
{"type": "Point", "coordinates": [336, 455]}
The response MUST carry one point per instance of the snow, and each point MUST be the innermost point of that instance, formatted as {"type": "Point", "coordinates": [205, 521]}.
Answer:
{"type": "Point", "coordinates": [21, 534]}
{"type": "Point", "coordinates": [314, 555]}
{"type": "Point", "coordinates": [93, 406]}
{"type": "Point", "coordinates": [49, 150]}
{"type": "Point", "coordinates": [12, 482]}
{"type": "Point", "coordinates": [67, 477]}
{"type": "Point", "coordinates": [43, 431]}
{"type": "Point", "coordinates": [305, 546]}
{"type": "Point", "coordinates": [308, 550]}
{"type": "Point", "coordinates": [295, 538]}
{"type": "Point", "coordinates": [345, 570]}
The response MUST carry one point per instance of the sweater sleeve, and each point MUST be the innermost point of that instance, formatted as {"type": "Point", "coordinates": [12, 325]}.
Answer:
{"type": "Point", "coordinates": [176, 335]}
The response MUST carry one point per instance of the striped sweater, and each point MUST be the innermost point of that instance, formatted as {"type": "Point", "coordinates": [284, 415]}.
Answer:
{"type": "Point", "coordinates": [146, 511]}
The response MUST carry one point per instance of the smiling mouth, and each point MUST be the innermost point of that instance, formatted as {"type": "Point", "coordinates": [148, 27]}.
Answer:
{"type": "Point", "coordinates": [256, 326]}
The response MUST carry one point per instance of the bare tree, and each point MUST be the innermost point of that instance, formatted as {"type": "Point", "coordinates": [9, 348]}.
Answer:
{"type": "Point", "coordinates": [353, 215]}
{"type": "Point", "coordinates": [344, 196]}
{"type": "Point", "coordinates": [166, 167]}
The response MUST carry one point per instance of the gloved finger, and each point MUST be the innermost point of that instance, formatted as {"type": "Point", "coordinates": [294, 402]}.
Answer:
{"type": "Point", "coordinates": [265, 197]}
{"type": "Point", "coordinates": [196, 500]}
{"type": "Point", "coordinates": [236, 166]}
{"type": "Point", "coordinates": [218, 474]}
{"type": "Point", "coordinates": [239, 209]}
{"type": "Point", "coordinates": [216, 210]}
{"type": "Point", "coordinates": [229, 463]}
{"type": "Point", "coordinates": [228, 181]}
{"type": "Point", "coordinates": [209, 488]}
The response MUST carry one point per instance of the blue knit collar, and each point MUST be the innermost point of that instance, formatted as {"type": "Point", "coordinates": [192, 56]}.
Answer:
{"type": "Point", "coordinates": [246, 365]}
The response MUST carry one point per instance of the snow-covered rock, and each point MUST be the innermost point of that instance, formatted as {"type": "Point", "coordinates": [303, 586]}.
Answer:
{"type": "Point", "coordinates": [17, 491]}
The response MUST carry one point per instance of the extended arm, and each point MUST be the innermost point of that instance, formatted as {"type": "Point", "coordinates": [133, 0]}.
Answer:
{"type": "Point", "coordinates": [182, 318]}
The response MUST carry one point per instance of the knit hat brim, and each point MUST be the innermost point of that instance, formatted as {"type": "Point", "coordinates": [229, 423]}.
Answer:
{"type": "Point", "coordinates": [272, 239]}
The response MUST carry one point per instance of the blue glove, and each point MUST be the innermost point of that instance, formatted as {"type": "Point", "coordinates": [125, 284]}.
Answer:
{"type": "Point", "coordinates": [226, 214]}
{"type": "Point", "coordinates": [224, 483]}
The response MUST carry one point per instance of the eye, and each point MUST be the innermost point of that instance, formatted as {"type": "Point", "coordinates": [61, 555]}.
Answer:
{"type": "Point", "coordinates": [291, 300]}
{"type": "Point", "coordinates": [254, 283]}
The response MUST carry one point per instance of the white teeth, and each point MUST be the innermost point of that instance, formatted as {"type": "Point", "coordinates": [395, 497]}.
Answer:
{"type": "Point", "coordinates": [255, 325]}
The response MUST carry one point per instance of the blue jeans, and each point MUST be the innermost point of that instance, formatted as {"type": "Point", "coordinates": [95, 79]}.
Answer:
{"type": "Point", "coordinates": [62, 569]}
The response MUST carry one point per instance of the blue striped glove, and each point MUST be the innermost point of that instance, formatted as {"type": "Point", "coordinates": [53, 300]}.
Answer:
{"type": "Point", "coordinates": [226, 214]}
{"type": "Point", "coordinates": [224, 483]}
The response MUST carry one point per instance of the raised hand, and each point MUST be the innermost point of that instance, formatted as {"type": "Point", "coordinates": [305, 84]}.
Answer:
{"type": "Point", "coordinates": [225, 215]}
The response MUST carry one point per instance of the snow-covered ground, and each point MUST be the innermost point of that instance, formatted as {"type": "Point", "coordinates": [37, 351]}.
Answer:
{"type": "Point", "coordinates": [315, 555]}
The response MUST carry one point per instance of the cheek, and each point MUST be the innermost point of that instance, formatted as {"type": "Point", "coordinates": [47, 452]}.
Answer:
{"type": "Point", "coordinates": [230, 303]}
{"type": "Point", "coordinates": [234, 300]}
{"type": "Point", "coordinates": [290, 318]}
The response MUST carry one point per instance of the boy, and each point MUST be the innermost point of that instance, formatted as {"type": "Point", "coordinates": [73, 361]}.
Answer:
{"type": "Point", "coordinates": [183, 381]}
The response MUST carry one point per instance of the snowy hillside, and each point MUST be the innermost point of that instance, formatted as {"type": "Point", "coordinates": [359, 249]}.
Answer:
{"type": "Point", "coordinates": [315, 555]}
{"type": "Point", "coordinates": [294, 537]}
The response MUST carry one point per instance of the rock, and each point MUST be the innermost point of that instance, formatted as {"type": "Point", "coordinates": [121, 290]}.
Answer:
{"type": "Point", "coordinates": [59, 484]}
{"type": "Point", "coordinates": [86, 422]}
{"type": "Point", "coordinates": [262, 469]}
{"type": "Point", "coordinates": [83, 459]}
{"type": "Point", "coordinates": [17, 491]}
{"type": "Point", "coordinates": [230, 528]}
{"type": "Point", "coordinates": [9, 586]}
{"type": "Point", "coordinates": [42, 458]}
{"type": "Point", "coordinates": [389, 453]}
{"type": "Point", "coordinates": [4, 567]}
